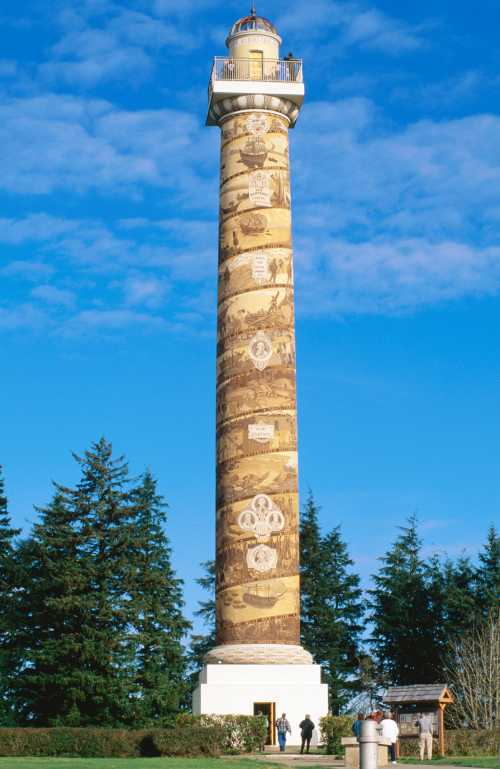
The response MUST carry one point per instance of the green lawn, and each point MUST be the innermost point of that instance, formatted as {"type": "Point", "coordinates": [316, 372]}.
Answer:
{"type": "Point", "coordinates": [486, 762]}
{"type": "Point", "coordinates": [131, 763]}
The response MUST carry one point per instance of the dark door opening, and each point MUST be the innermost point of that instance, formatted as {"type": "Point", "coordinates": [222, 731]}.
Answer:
{"type": "Point", "coordinates": [267, 709]}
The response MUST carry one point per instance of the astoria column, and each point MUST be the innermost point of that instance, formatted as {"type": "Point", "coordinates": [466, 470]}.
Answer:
{"type": "Point", "coordinates": [257, 552]}
{"type": "Point", "coordinates": [255, 98]}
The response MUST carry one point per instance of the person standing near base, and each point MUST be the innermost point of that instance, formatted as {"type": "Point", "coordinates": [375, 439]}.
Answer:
{"type": "Point", "coordinates": [306, 732]}
{"type": "Point", "coordinates": [356, 727]}
{"type": "Point", "coordinates": [390, 730]}
{"type": "Point", "coordinates": [424, 723]}
{"type": "Point", "coordinates": [283, 727]}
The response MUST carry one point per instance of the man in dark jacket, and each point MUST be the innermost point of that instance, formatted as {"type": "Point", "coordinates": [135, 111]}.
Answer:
{"type": "Point", "coordinates": [306, 731]}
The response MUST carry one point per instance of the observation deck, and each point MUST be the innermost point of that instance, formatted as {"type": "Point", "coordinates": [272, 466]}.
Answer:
{"type": "Point", "coordinates": [282, 78]}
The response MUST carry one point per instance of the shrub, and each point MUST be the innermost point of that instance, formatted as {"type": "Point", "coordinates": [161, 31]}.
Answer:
{"type": "Point", "coordinates": [333, 728]}
{"type": "Point", "coordinates": [458, 742]}
{"type": "Point", "coordinates": [106, 743]}
{"type": "Point", "coordinates": [191, 736]}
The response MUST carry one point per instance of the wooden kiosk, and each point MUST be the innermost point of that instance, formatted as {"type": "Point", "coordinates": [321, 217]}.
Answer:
{"type": "Point", "coordinates": [409, 702]}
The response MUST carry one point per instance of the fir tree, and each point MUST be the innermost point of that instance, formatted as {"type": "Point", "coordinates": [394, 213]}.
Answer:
{"type": "Point", "coordinates": [57, 604]}
{"type": "Point", "coordinates": [459, 597]}
{"type": "Point", "coordinates": [9, 658]}
{"type": "Point", "coordinates": [155, 619]}
{"type": "Point", "coordinates": [201, 643]}
{"type": "Point", "coordinates": [104, 622]}
{"type": "Point", "coordinates": [403, 616]}
{"type": "Point", "coordinates": [103, 507]}
{"type": "Point", "coordinates": [311, 594]}
{"type": "Point", "coordinates": [487, 575]}
{"type": "Point", "coordinates": [331, 606]}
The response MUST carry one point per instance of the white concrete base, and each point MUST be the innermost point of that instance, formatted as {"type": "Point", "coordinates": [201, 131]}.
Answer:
{"type": "Point", "coordinates": [233, 689]}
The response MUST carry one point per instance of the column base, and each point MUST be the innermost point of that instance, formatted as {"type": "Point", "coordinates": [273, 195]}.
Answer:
{"type": "Point", "coordinates": [258, 654]}
{"type": "Point", "coordinates": [236, 689]}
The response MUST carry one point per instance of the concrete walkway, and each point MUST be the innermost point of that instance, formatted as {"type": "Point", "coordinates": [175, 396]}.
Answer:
{"type": "Point", "coordinates": [296, 759]}
{"type": "Point", "coordinates": [315, 759]}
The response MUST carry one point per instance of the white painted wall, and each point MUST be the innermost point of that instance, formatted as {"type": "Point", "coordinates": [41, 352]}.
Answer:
{"type": "Point", "coordinates": [233, 689]}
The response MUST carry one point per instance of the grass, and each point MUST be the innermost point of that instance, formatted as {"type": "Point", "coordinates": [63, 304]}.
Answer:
{"type": "Point", "coordinates": [131, 763]}
{"type": "Point", "coordinates": [482, 762]}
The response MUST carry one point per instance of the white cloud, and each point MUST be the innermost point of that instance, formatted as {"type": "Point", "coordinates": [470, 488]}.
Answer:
{"type": "Point", "coordinates": [58, 142]}
{"type": "Point", "coordinates": [53, 295]}
{"type": "Point", "coordinates": [26, 269]}
{"type": "Point", "coordinates": [23, 317]}
{"type": "Point", "coordinates": [374, 30]}
{"type": "Point", "coordinates": [34, 227]}
{"type": "Point", "coordinates": [144, 290]}
{"type": "Point", "coordinates": [432, 178]}
{"type": "Point", "coordinates": [393, 276]}
{"type": "Point", "coordinates": [8, 68]}
{"type": "Point", "coordinates": [107, 42]}
{"type": "Point", "coordinates": [90, 321]}
{"type": "Point", "coordinates": [355, 23]}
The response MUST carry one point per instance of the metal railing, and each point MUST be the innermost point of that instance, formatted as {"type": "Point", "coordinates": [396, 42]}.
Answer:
{"type": "Point", "coordinates": [278, 70]}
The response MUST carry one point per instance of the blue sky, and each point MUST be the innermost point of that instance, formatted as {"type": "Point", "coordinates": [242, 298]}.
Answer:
{"type": "Point", "coordinates": [108, 251]}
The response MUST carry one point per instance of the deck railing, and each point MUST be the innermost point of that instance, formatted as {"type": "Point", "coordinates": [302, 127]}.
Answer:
{"type": "Point", "coordinates": [277, 70]}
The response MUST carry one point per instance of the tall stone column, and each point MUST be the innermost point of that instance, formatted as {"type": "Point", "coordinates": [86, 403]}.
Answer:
{"type": "Point", "coordinates": [257, 497]}
{"type": "Point", "coordinates": [258, 665]}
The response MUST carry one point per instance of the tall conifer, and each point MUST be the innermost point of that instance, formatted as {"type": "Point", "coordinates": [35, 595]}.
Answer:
{"type": "Point", "coordinates": [9, 657]}
{"type": "Point", "coordinates": [201, 643]}
{"type": "Point", "coordinates": [102, 604]}
{"type": "Point", "coordinates": [332, 610]}
{"type": "Point", "coordinates": [487, 575]}
{"type": "Point", "coordinates": [155, 620]}
{"type": "Point", "coordinates": [402, 618]}
{"type": "Point", "coordinates": [57, 605]}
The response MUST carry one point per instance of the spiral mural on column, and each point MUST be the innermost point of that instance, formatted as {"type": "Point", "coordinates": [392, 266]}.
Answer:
{"type": "Point", "coordinates": [257, 495]}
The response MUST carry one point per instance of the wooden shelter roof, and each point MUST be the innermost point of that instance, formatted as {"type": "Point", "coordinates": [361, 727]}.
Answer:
{"type": "Point", "coordinates": [418, 693]}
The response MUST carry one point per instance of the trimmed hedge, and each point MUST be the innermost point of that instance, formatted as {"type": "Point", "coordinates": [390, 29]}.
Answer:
{"type": "Point", "coordinates": [458, 742]}
{"type": "Point", "coordinates": [333, 728]}
{"type": "Point", "coordinates": [191, 736]}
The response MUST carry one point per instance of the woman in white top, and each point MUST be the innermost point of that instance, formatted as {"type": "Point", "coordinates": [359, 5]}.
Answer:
{"type": "Point", "coordinates": [390, 730]}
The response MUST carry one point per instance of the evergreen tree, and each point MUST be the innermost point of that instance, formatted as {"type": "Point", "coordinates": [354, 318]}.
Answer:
{"type": "Point", "coordinates": [201, 643]}
{"type": "Point", "coordinates": [95, 654]}
{"type": "Point", "coordinates": [56, 603]}
{"type": "Point", "coordinates": [331, 606]}
{"type": "Point", "coordinates": [403, 616]}
{"type": "Point", "coordinates": [459, 597]}
{"type": "Point", "coordinates": [9, 658]}
{"type": "Point", "coordinates": [311, 594]}
{"type": "Point", "coordinates": [487, 575]}
{"type": "Point", "coordinates": [451, 603]}
{"type": "Point", "coordinates": [155, 620]}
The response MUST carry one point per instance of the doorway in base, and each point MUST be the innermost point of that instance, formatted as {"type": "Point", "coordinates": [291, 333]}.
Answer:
{"type": "Point", "coordinates": [267, 709]}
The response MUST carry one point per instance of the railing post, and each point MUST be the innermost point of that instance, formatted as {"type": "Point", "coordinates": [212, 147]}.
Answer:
{"type": "Point", "coordinates": [275, 70]}
{"type": "Point", "coordinates": [368, 745]}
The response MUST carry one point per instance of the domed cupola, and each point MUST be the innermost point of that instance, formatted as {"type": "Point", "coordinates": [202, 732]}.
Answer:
{"type": "Point", "coordinates": [253, 33]}
{"type": "Point", "coordinates": [252, 74]}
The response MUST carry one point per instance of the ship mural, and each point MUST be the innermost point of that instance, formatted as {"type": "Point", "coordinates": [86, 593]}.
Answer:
{"type": "Point", "coordinates": [253, 224]}
{"type": "Point", "coordinates": [254, 153]}
{"type": "Point", "coordinates": [264, 594]}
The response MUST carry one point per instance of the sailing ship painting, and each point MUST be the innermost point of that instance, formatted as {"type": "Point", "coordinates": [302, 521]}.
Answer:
{"type": "Point", "coordinates": [254, 153]}
{"type": "Point", "coordinates": [253, 224]}
{"type": "Point", "coordinates": [264, 594]}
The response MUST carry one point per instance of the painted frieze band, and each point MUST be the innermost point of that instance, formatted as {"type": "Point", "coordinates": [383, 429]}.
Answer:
{"type": "Point", "coordinates": [257, 501]}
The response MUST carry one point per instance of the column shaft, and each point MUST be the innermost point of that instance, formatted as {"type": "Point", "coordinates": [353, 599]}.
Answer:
{"type": "Point", "coordinates": [257, 497]}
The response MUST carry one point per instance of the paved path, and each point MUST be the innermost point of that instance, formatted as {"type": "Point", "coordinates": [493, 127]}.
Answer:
{"type": "Point", "coordinates": [314, 759]}
{"type": "Point", "coordinates": [296, 759]}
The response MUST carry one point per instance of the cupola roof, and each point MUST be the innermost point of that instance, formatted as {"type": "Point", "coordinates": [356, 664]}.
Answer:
{"type": "Point", "coordinates": [252, 22]}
